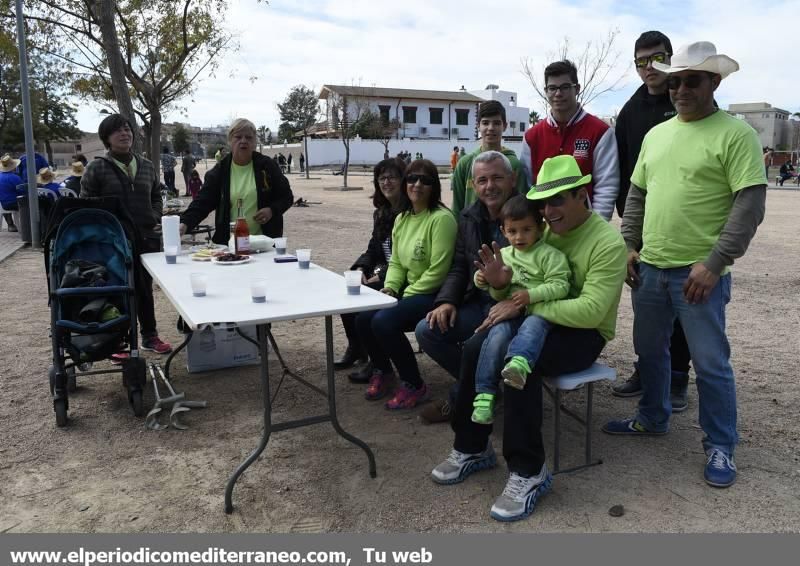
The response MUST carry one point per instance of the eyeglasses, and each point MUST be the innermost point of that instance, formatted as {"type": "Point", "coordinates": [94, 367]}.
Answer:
{"type": "Point", "coordinates": [557, 200]}
{"type": "Point", "coordinates": [674, 82]}
{"type": "Point", "coordinates": [641, 62]}
{"type": "Point", "coordinates": [425, 179]}
{"type": "Point", "coordinates": [387, 179]}
{"type": "Point", "coordinates": [552, 89]}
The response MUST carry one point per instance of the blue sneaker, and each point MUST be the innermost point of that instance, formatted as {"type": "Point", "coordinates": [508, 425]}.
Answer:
{"type": "Point", "coordinates": [520, 496]}
{"type": "Point", "coordinates": [720, 470]}
{"type": "Point", "coordinates": [459, 465]}
{"type": "Point", "coordinates": [630, 427]}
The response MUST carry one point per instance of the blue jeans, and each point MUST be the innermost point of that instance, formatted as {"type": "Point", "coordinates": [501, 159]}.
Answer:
{"type": "Point", "coordinates": [521, 336]}
{"type": "Point", "coordinates": [382, 332]}
{"type": "Point", "coordinates": [659, 300]}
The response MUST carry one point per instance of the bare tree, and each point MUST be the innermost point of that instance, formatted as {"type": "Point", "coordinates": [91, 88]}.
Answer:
{"type": "Point", "coordinates": [346, 109]}
{"type": "Point", "coordinates": [598, 67]}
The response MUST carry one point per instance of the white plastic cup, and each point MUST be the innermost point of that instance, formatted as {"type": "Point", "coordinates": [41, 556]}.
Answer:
{"type": "Point", "coordinates": [199, 283]}
{"type": "Point", "coordinates": [353, 281]}
{"type": "Point", "coordinates": [280, 245]}
{"type": "Point", "coordinates": [171, 253]}
{"type": "Point", "coordinates": [303, 258]}
{"type": "Point", "coordinates": [258, 290]}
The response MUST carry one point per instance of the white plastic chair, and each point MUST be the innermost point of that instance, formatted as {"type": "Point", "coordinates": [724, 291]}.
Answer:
{"type": "Point", "coordinates": [65, 192]}
{"type": "Point", "coordinates": [570, 382]}
{"type": "Point", "coordinates": [46, 193]}
{"type": "Point", "coordinates": [14, 214]}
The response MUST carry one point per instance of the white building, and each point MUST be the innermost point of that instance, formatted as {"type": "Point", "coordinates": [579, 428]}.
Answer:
{"type": "Point", "coordinates": [773, 125]}
{"type": "Point", "coordinates": [429, 114]}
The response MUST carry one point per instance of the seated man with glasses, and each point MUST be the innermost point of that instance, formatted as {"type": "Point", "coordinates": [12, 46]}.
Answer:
{"type": "Point", "coordinates": [582, 323]}
{"type": "Point", "coordinates": [570, 130]}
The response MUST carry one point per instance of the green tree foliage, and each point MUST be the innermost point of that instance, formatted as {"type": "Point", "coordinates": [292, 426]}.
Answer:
{"type": "Point", "coordinates": [533, 118]}
{"type": "Point", "coordinates": [300, 110]}
{"type": "Point", "coordinates": [180, 139]}
{"type": "Point", "coordinates": [372, 127]}
{"type": "Point", "coordinates": [286, 133]}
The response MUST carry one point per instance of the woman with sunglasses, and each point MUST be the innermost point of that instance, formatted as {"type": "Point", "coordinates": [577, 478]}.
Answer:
{"type": "Point", "coordinates": [388, 199]}
{"type": "Point", "coordinates": [423, 237]}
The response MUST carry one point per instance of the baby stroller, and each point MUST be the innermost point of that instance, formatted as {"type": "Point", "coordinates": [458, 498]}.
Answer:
{"type": "Point", "coordinates": [90, 270]}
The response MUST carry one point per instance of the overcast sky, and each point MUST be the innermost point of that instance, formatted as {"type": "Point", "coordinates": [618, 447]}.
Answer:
{"type": "Point", "coordinates": [443, 44]}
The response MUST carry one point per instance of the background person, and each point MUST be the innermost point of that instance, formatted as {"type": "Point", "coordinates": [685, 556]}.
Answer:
{"type": "Point", "coordinates": [242, 174]}
{"type": "Point", "coordinates": [423, 240]}
{"type": "Point", "coordinates": [132, 179]}
{"type": "Point", "coordinates": [168, 163]}
{"type": "Point", "coordinates": [188, 164]}
{"type": "Point", "coordinates": [388, 199]}
{"type": "Point", "coordinates": [9, 180]}
{"type": "Point", "coordinates": [73, 182]}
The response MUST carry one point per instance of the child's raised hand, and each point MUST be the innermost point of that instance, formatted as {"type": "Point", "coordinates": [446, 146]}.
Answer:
{"type": "Point", "coordinates": [491, 265]}
{"type": "Point", "coordinates": [521, 299]}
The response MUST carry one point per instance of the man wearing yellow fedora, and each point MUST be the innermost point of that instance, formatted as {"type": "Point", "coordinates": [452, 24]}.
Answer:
{"type": "Point", "coordinates": [9, 181]}
{"type": "Point", "coordinates": [582, 323]}
{"type": "Point", "coordinates": [696, 199]}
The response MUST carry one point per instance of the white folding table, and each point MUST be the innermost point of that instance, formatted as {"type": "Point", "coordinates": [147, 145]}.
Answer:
{"type": "Point", "coordinates": [292, 293]}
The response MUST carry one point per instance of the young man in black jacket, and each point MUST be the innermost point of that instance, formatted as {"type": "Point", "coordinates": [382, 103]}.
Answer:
{"type": "Point", "coordinates": [649, 106]}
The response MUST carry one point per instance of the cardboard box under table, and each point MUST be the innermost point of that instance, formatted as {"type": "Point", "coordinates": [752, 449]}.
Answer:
{"type": "Point", "coordinates": [220, 346]}
{"type": "Point", "coordinates": [292, 293]}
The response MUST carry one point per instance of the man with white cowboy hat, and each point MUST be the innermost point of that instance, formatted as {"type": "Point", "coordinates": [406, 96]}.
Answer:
{"type": "Point", "coordinates": [46, 179]}
{"type": "Point", "coordinates": [8, 188]}
{"type": "Point", "coordinates": [74, 180]}
{"type": "Point", "coordinates": [582, 324]}
{"type": "Point", "coordinates": [696, 199]}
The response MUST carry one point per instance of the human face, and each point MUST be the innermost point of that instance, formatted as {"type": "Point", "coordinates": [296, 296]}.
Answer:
{"type": "Point", "coordinates": [493, 184]}
{"type": "Point", "coordinates": [389, 182]}
{"type": "Point", "coordinates": [656, 81]}
{"type": "Point", "coordinates": [121, 140]}
{"type": "Point", "coordinates": [565, 99]}
{"type": "Point", "coordinates": [418, 188]}
{"type": "Point", "coordinates": [491, 130]}
{"type": "Point", "coordinates": [243, 143]}
{"type": "Point", "coordinates": [695, 102]}
{"type": "Point", "coordinates": [565, 211]}
{"type": "Point", "coordinates": [522, 233]}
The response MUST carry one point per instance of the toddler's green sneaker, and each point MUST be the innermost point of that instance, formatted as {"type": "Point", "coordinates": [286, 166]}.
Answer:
{"type": "Point", "coordinates": [484, 408]}
{"type": "Point", "coordinates": [516, 372]}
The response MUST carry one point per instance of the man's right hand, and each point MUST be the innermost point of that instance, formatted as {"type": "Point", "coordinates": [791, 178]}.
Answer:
{"type": "Point", "coordinates": [443, 317]}
{"type": "Point", "coordinates": [633, 269]}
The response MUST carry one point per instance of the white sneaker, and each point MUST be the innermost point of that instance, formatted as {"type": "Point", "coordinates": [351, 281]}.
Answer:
{"type": "Point", "coordinates": [520, 495]}
{"type": "Point", "coordinates": [459, 465]}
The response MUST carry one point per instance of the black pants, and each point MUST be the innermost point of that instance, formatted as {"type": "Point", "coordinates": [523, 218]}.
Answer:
{"type": "Point", "coordinates": [169, 178]}
{"type": "Point", "coordinates": [186, 183]}
{"type": "Point", "coordinates": [566, 350]}
{"type": "Point", "coordinates": [349, 322]}
{"type": "Point", "coordinates": [145, 304]}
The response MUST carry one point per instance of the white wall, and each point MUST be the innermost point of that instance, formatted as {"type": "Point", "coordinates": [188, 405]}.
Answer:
{"type": "Point", "coordinates": [517, 114]}
{"type": "Point", "coordinates": [324, 152]}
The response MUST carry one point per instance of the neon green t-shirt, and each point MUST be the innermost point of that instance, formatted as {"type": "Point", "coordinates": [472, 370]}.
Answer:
{"type": "Point", "coordinates": [690, 172]}
{"type": "Point", "coordinates": [243, 186]}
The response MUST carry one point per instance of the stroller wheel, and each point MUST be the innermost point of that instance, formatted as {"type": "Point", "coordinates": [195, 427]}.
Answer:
{"type": "Point", "coordinates": [137, 402]}
{"type": "Point", "coordinates": [72, 380]}
{"type": "Point", "coordinates": [60, 407]}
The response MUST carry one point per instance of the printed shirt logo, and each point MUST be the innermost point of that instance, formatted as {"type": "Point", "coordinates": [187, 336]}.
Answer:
{"type": "Point", "coordinates": [582, 148]}
{"type": "Point", "coordinates": [419, 251]}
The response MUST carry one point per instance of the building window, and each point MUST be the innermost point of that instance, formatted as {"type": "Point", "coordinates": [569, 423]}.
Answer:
{"type": "Point", "coordinates": [462, 117]}
{"type": "Point", "coordinates": [78, 148]}
{"type": "Point", "coordinates": [409, 114]}
{"type": "Point", "coordinates": [512, 125]}
{"type": "Point", "coordinates": [384, 112]}
{"type": "Point", "coordinates": [436, 115]}
{"type": "Point", "coordinates": [522, 126]}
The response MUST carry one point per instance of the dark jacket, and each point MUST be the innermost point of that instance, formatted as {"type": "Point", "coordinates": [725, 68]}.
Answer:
{"type": "Point", "coordinates": [637, 117]}
{"type": "Point", "coordinates": [140, 197]}
{"type": "Point", "coordinates": [273, 192]}
{"type": "Point", "coordinates": [374, 259]}
{"type": "Point", "coordinates": [474, 230]}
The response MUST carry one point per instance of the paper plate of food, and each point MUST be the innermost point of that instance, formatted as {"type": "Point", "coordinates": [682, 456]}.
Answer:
{"type": "Point", "coordinates": [209, 246]}
{"type": "Point", "coordinates": [230, 259]}
{"type": "Point", "coordinates": [206, 254]}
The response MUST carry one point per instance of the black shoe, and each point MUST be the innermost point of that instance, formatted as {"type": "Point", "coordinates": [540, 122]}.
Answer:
{"type": "Point", "coordinates": [352, 355]}
{"type": "Point", "coordinates": [12, 228]}
{"type": "Point", "coordinates": [679, 398]}
{"type": "Point", "coordinates": [631, 388]}
{"type": "Point", "coordinates": [362, 375]}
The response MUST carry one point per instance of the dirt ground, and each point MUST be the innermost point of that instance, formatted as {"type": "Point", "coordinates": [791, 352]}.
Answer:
{"type": "Point", "coordinates": [107, 473]}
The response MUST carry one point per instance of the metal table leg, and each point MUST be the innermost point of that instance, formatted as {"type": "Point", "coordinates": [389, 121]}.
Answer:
{"type": "Point", "coordinates": [263, 330]}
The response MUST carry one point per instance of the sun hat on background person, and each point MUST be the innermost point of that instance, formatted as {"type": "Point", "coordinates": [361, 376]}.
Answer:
{"type": "Point", "coordinates": [8, 188]}
{"type": "Point", "coordinates": [46, 179]}
{"type": "Point", "coordinates": [74, 180]}
{"type": "Point", "coordinates": [8, 164]}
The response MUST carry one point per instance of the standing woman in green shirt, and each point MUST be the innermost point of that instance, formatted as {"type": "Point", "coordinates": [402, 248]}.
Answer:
{"type": "Point", "coordinates": [242, 174]}
{"type": "Point", "coordinates": [423, 243]}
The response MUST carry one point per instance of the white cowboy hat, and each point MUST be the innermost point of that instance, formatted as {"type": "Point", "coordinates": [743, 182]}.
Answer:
{"type": "Point", "coordinates": [77, 169]}
{"type": "Point", "coordinates": [8, 164]}
{"type": "Point", "coordinates": [45, 176]}
{"type": "Point", "coordinates": [699, 56]}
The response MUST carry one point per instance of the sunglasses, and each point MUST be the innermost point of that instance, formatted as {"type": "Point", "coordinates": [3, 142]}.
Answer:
{"type": "Point", "coordinates": [557, 200]}
{"type": "Point", "coordinates": [425, 179]}
{"type": "Point", "coordinates": [566, 87]}
{"type": "Point", "coordinates": [641, 62]}
{"type": "Point", "coordinates": [674, 82]}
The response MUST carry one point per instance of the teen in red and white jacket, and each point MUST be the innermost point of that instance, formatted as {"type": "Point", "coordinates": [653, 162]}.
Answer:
{"type": "Point", "coordinates": [593, 145]}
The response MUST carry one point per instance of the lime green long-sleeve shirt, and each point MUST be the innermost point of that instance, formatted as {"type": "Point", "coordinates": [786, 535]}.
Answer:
{"type": "Point", "coordinates": [423, 245]}
{"type": "Point", "coordinates": [541, 270]}
{"type": "Point", "coordinates": [598, 258]}
{"type": "Point", "coordinates": [461, 180]}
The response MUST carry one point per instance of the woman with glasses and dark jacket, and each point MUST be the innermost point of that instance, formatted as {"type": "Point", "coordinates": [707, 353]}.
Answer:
{"type": "Point", "coordinates": [423, 239]}
{"type": "Point", "coordinates": [388, 199]}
